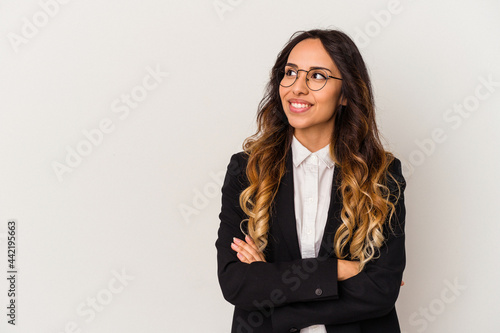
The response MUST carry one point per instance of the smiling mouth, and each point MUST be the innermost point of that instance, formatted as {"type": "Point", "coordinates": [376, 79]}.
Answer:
{"type": "Point", "coordinates": [300, 105]}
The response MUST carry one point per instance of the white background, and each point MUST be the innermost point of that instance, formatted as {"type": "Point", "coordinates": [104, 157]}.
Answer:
{"type": "Point", "coordinates": [119, 209]}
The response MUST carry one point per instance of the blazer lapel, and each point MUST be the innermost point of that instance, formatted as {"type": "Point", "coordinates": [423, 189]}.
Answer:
{"type": "Point", "coordinates": [284, 218]}
{"type": "Point", "coordinates": [333, 220]}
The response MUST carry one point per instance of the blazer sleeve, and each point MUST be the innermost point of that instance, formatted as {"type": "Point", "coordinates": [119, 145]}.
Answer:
{"type": "Point", "coordinates": [371, 293]}
{"type": "Point", "coordinates": [263, 284]}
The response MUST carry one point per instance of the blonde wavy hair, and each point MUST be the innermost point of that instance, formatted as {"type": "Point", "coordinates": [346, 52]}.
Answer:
{"type": "Point", "coordinates": [355, 148]}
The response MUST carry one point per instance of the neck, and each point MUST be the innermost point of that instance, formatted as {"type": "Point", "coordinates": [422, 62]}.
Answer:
{"type": "Point", "coordinates": [313, 141]}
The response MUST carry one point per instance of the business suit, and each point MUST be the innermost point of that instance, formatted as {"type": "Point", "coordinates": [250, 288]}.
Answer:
{"type": "Point", "coordinates": [288, 293]}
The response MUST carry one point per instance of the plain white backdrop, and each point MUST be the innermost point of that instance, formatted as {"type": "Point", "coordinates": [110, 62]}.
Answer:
{"type": "Point", "coordinates": [118, 119]}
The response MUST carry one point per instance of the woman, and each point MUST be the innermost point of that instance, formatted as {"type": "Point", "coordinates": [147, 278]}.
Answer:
{"type": "Point", "coordinates": [311, 237]}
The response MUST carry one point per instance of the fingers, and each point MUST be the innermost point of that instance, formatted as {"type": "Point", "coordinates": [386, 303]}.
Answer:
{"type": "Point", "coordinates": [402, 283]}
{"type": "Point", "coordinates": [247, 251]}
{"type": "Point", "coordinates": [241, 254]}
{"type": "Point", "coordinates": [250, 242]}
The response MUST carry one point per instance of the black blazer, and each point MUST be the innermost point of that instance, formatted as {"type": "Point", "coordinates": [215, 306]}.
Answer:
{"type": "Point", "coordinates": [287, 293]}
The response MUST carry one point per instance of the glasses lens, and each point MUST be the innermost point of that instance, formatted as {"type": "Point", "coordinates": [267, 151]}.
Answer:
{"type": "Point", "coordinates": [316, 79]}
{"type": "Point", "coordinates": [289, 77]}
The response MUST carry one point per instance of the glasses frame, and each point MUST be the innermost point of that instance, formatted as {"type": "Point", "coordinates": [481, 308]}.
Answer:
{"type": "Point", "coordinates": [307, 80]}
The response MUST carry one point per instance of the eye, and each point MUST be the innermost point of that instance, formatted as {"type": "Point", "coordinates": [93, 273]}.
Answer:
{"type": "Point", "coordinates": [289, 72]}
{"type": "Point", "coordinates": [318, 75]}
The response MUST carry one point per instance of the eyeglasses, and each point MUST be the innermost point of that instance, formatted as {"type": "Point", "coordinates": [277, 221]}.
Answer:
{"type": "Point", "coordinates": [315, 78]}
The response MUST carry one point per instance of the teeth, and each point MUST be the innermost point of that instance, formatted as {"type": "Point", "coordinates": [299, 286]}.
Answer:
{"type": "Point", "coordinates": [300, 106]}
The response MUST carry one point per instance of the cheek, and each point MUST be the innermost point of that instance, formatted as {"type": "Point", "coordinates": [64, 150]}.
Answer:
{"type": "Point", "coordinates": [329, 98]}
{"type": "Point", "coordinates": [282, 93]}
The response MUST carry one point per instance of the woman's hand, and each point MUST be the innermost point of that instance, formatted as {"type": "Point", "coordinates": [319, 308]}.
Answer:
{"type": "Point", "coordinates": [247, 251]}
{"type": "Point", "coordinates": [346, 269]}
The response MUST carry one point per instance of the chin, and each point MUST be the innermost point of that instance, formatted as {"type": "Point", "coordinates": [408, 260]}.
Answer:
{"type": "Point", "coordinates": [297, 124]}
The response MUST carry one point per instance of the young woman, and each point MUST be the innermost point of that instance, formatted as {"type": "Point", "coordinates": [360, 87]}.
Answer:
{"type": "Point", "coordinates": [311, 237]}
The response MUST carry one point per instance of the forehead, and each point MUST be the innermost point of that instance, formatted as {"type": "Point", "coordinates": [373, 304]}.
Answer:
{"type": "Point", "coordinates": [311, 53]}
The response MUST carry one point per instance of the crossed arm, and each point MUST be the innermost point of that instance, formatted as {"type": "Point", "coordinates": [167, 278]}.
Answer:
{"type": "Point", "coordinates": [247, 252]}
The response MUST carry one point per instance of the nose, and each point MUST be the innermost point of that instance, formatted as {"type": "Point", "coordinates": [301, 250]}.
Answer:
{"type": "Point", "coordinates": [300, 84]}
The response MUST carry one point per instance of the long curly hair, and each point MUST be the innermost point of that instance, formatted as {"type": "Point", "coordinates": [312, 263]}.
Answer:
{"type": "Point", "coordinates": [355, 148]}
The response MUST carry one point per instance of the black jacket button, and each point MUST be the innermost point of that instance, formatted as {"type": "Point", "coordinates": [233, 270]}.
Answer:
{"type": "Point", "coordinates": [293, 329]}
{"type": "Point", "coordinates": [319, 291]}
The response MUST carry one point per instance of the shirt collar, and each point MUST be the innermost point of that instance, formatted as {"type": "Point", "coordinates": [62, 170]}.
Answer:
{"type": "Point", "coordinates": [300, 153]}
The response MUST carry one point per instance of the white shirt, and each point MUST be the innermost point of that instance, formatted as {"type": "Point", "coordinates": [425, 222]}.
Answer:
{"type": "Point", "coordinates": [312, 179]}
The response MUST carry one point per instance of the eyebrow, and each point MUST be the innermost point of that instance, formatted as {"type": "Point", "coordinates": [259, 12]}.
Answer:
{"type": "Point", "coordinates": [314, 67]}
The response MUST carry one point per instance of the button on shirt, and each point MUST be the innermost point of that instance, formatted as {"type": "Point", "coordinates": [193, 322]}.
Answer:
{"type": "Point", "coordinates": [312, 179]}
